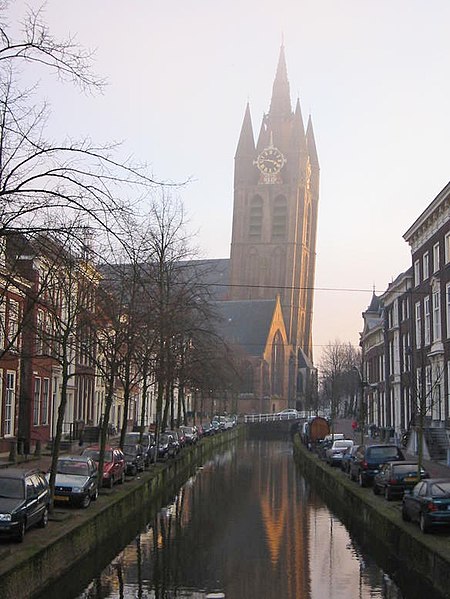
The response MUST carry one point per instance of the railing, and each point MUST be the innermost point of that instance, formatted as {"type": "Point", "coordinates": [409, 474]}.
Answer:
{"type": "Point", "coordinates": [305, 415]}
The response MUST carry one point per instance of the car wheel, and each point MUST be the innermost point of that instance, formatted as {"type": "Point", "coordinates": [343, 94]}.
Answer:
{"type": "Point", "coordinates": [95, 496]}
{"type": "Point", "coordinates": [21, 532]}
{"type": "Point", "coordinates": [86, 502]}
{"type": "Point", "coordinates": [387, 494]}
{"type": "Point", "coordinates": [361, 481]}
{"type": "Point", "coordinates": [405, 516]}
{"type": "Point", "coordinates": [423, 523]}
{"type": "Point", "coordinates": [44, 520]}
{"type": "Point", "coordinates": [376, 490]}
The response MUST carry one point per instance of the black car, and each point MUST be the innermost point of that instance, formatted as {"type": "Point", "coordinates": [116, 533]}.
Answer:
{"type": "Point", "coordinates": [76, 480]}
{"type": "Point", "coordinates": [167, 448]}
{"type": "Point", "coordinates": [135, 458]}
{"type": "Point", "coordinates": [148, 442]}
{"type": "Point", "coordinates": [395, 478]}
{"type": "Point", "coordinates": [191, 434]}
{"type": "Point", "coordinates": [348, 458]}
{"type": "Point", "coordinates": [24, 501]}
{"type": "Point", "coordinates": [428, 504]}
{"type": "Point", "coordinates": [175, 440]}
{"type": "Point", "coordinates": [369, 459]}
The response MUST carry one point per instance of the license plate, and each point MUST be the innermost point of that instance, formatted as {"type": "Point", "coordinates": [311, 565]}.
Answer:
{"type": "Point", "coordinates": [61, 498]}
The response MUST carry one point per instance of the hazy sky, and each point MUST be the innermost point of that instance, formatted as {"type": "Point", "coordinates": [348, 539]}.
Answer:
{"type": "Point", "coordinates": [374, 74]}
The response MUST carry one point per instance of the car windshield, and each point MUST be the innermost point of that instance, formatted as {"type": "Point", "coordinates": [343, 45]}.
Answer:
{"type": "Point", "coordinates": [343, 443]}
{"type": "Point", "coordinates": [11, 488]}
{"type": "Point", "coordinates": [164, 439]}
{"type": "Point", "coordinates": [72, 467]}
{"type": "Point", "coordinates": [441, 489]}
{"type": "Point", "coordinates": [129, 450]}
{"type": "Point", "coordinates": [382, 452]}
{"type": "Point", "coordinates": [95, 455]}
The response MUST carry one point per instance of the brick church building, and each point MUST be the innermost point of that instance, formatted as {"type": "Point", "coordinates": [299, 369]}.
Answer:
{"type": "Point", "coordinates": [273, 250]}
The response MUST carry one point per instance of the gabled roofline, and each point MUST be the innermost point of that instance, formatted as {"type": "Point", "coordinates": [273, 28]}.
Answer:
{"type": "Point", "coordinates": [442, 195]}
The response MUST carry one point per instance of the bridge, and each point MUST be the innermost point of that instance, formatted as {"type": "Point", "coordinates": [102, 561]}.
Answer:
{"type": "Point", "coordinates": [276, 426]}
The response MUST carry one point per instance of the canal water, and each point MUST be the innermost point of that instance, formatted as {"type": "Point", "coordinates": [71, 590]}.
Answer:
{"type": "Point", "coordinates": [246, 526]}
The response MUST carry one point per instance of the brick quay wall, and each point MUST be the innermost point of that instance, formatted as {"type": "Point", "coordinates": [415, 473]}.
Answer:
{"type": "Point", "coordinates": [73, 535]}
{"type": "Point", "coordinates": [378, 524]}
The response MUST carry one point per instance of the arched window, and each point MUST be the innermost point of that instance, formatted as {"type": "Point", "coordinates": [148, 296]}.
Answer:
{"type": "Point", "coordinates": [277, 364]}
{"type": "Point", "coordinates": [279, 218]}
{"type": "Point", "coordinates": [255, 219]}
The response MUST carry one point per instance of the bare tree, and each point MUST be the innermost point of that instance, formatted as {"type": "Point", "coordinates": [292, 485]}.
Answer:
{"type": "Point", "coordinates": [337, 374]}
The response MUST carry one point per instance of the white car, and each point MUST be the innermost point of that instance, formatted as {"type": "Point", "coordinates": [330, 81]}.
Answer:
{"type": "Point", "coordinates": [335, 453]}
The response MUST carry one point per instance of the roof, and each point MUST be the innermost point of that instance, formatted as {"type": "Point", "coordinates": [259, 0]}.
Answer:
{"type": "Point", "coordinates": [245, 323]}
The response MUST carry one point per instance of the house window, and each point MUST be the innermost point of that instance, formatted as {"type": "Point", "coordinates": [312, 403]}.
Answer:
{"type": "Point", "coordinates": [427, 320]}
{"type": "Point", "coordinates": [417, 272]}
{"type": "Point", "coordinates": [436, 315]}
{"type": "Point", "coordinates": [418, 325]}
{"type": "Point", "coordinates": [447, 309]}
{"type": "Point", "coordinates": [39, 332]}
{"type": "Point", "coordinates": [13, 324]}
{"type": "Point", "coordinates": [426, 266]}
{"type": "Point", "coordinates": [10, 401]}
{"type": "Point", "coordinates": [435, 257]}
{"type": "Point", "coordinates": [44, 405]}
{"type": "Point", "coordinates": [37, 400]}
{"type": "Point", "coordinates": [395, 313]}
{"type": "Point", "coordinates": [2, 324]}
{"type": "Point", "coordinates": [447, 248]}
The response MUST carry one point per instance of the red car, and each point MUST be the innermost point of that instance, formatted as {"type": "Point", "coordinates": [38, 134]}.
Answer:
{"type": "Point", "coordinates": [113, 466]}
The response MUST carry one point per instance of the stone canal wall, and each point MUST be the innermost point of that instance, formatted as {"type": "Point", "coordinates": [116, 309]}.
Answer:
{"type": "Point", "coordinates": [378, 523]}
{"type": "Point", "coordinates": [112, 521]}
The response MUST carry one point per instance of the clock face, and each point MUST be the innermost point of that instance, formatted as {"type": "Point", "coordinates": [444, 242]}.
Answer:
{"type": "Point", "coordinates": [270, 161]}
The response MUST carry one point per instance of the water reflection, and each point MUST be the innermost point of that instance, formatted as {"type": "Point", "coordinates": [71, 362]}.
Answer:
{"type": "Point", "coordinates": [248, 525]}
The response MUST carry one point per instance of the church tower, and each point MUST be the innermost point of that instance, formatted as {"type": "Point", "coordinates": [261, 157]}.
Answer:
{"type": "Point", "coordinates": [276, 192]}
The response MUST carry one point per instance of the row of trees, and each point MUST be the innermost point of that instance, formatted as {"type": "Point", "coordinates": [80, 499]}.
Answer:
{"type": "Point", "coordinates": [110, 241]}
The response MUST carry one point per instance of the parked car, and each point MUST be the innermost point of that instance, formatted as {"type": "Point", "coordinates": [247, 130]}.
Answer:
{"type": "Point", "coordinates": [322, 447]}
{"type": "Point", "coordinates": [76, 480]}
{"type": "Point", "coordinates": [395, 478]}
{"type": "Point", "coordinates": [148, 442]}
{"type": "Point", "coordinates": [190, 433]}
{"type": "Point", "coordinates": [135, 457]}
{"type": "Point", "coordinates": [347, 458]}
{"type": "Point", "coordinates": [208, 429]}
{"type": "Point", "coordinates": [216, 426]}
{"type": "Point", "coordinates": [113, 465]}
{"type": "Point", "coordinates": [335, 453]}
{"type": "Point", "coordinates": [167, 447]}
{"type": "Point", "coordinates": [369, 459]}
{"type": "Point", "coordinates": [24, 501]}
{"type": "Point", "coordinates": [428, 504]}
{"type": "Point", "coordinates": [181, 437]}
{"type": "Point", "coordinates": [175, 440]}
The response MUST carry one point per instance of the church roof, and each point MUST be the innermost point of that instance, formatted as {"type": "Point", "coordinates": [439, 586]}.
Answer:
{"type": "Point", "coordinates": [245, 323]}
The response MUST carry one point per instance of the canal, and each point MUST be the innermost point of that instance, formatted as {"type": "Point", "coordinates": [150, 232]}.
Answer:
{"type": "Point", "coordinates": [245, 526]}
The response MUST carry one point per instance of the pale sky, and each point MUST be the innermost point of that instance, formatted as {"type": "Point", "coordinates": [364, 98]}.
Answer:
{"type": "Point", "coordinates": [374, 75]}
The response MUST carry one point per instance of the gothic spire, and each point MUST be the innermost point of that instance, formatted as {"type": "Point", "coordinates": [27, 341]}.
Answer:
{"type": "Point", "coordinates": [280, 104]}
{"type": "Point", "coordinates": [246, 143]}
{"type": "Point", "coordinates": [311, 144]}
{"type": "Point", "coordinates": [298, 129]}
